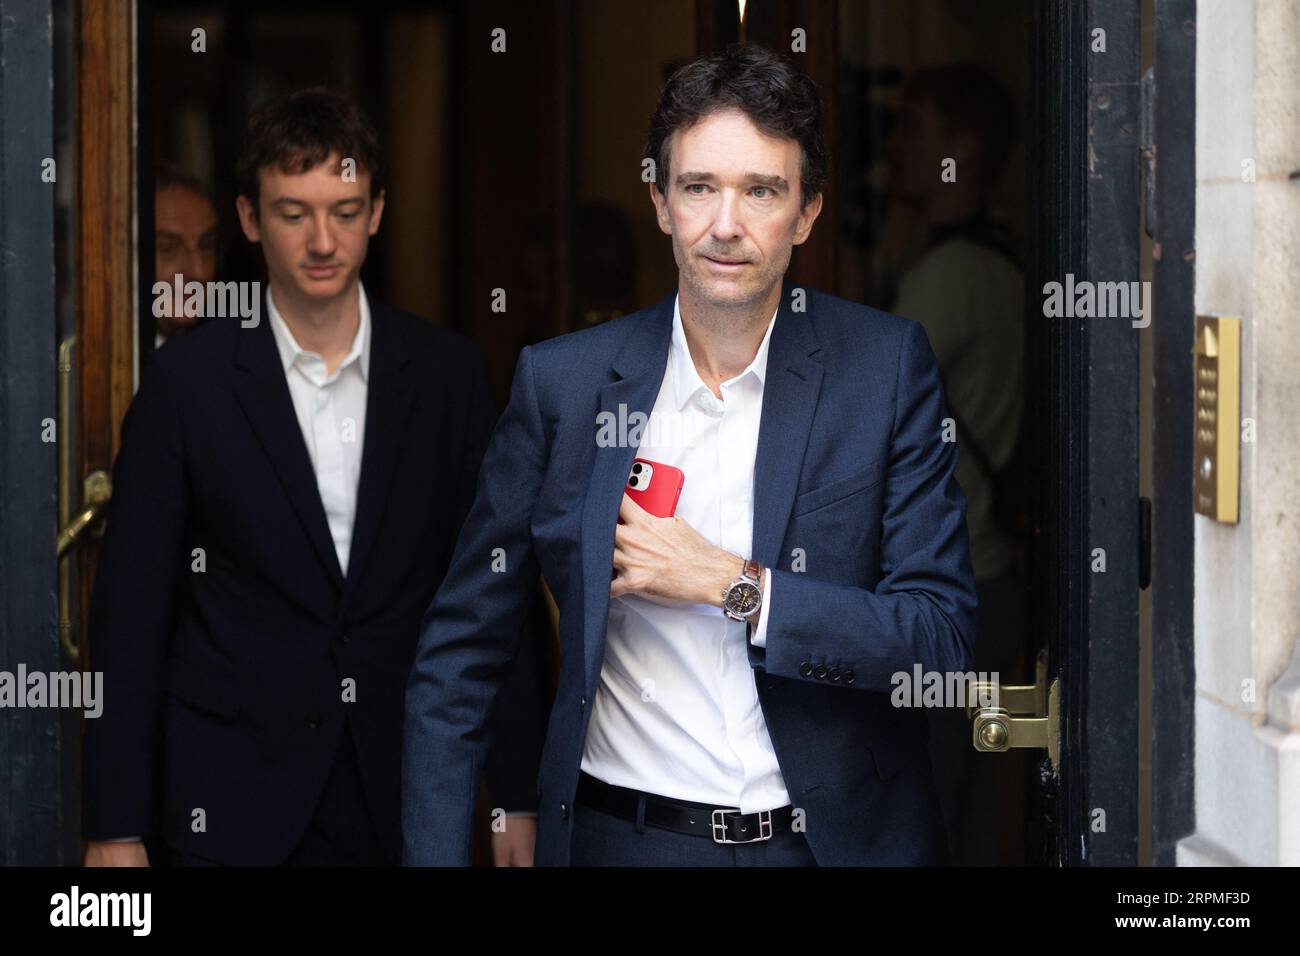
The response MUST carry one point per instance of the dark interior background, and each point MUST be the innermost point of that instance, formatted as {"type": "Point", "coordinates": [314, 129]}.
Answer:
{"type": "Point", "coordinates": [521, 170]}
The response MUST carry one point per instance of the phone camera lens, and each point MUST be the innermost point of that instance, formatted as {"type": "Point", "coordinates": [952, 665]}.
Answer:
{"type": "Point", "coordinates": [636, 469]}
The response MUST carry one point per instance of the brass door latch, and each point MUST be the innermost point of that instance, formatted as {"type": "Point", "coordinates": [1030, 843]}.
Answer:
{"type": "Point", "coordinates": [1022, 715]}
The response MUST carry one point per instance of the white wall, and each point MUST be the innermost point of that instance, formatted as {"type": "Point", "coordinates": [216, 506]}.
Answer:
{"type": "Point", "coordinates": [1247, 606]}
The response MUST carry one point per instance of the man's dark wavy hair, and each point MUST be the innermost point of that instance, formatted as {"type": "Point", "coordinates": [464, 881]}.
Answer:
{"type": "Point", "coordinates": [299, 131]}
{"type": "Point", "coordinates": [778, 98]}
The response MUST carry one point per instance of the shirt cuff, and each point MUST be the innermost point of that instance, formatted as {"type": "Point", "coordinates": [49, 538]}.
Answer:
{"type": "Point", "coordinates": [759, 637]}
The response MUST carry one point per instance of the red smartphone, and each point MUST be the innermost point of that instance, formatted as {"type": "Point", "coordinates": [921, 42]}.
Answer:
{"type": "Point", "coordinates": [655, 487]}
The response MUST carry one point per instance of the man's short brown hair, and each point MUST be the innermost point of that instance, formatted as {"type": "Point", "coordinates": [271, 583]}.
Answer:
{"type": "Point", "coordinates": [778, 98]}
{"type": "Point", "coordinates": [298, 132]}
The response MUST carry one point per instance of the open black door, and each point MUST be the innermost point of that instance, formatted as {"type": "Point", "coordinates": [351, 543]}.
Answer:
{"type": "Point", "coordinates": [1084, 174]}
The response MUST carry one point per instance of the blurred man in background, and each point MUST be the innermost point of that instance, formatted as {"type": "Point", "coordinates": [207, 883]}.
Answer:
{"type": "Point", "coordinates": [185, 241]}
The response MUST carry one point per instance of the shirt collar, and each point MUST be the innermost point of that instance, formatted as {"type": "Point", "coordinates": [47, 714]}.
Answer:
{"type": "Point", "coordinates": [686, 378]}
{"type": "Point", "coordinates": [290, 350]}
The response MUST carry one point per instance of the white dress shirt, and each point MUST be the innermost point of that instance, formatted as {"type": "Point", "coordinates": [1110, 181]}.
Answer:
{"type": "Point", "coordinates": [331, 412]}
{"type": "Point", "coordinates": [676, 710]}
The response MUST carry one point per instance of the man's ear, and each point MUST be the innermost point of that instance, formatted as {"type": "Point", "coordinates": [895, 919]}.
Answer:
{"type": "Point", "coordinates": [807, 216]}
{"type": "Point", "coordinates": [661, 209]}
{"type": "Point", "coordinates": [248, 218]}
{"type": "Point", "coordinates": [376, 212]}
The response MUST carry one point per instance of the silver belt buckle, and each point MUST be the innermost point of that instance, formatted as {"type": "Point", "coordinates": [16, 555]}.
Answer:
{"type": "Point", "coordinates": [719, 824]}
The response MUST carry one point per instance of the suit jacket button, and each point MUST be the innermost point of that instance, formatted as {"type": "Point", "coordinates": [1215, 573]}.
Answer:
{"type": "Point", "coordinates": [848, 676]}
{"type": "Point", "coordinates": [344, 638]}
{"type": "Point", "coordinates": [820, 672]}
{"type": "Point", "coordinates": [313, 721]}
{"type": "Point", "coordinates": [582, 705]}
{"type": "Point", "coordinates": [805, 669]}
{"type": "Point", "coordinates": [833, 673]}
{"type": "Point", "coordinates": [564, 811]}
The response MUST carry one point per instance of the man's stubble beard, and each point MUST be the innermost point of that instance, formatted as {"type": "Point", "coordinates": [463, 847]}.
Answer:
{"type": "Point", "coordinates": [696, 278]}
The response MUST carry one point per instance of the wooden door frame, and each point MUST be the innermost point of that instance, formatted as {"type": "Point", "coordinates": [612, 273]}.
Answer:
{"type": "Point", "coordinates": [106, 232]}
{"type": "Point", "coordinates": [41, 746]}
{"type": "Point", "coordinates": [107, 287]}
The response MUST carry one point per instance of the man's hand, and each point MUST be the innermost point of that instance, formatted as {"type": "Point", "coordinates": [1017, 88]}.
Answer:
{"type": "Point", "coordinates": [513, 846]}
{"type": "Point", "coordinates": [667, 558]}
{"type": "Point", "coordinates": [106, 853]}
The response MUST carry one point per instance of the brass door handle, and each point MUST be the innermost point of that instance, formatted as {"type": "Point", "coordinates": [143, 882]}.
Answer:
{"type": "Point", "coordinates": [97, 490]}
{"type": "Point", "coordinates": [1022, 716]}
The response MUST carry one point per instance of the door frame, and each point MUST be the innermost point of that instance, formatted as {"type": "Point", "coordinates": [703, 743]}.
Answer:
{"type": "Point", "coordinates": [1172, 224]}
{"type": "Point", "coordinates": [1084, 175]}
{"type": "Point", "coordinates": [34, 820]}
{"type": "Point", "coordinates": [107, 226]}
{"type": "Point", "coordinates": [40, 748]}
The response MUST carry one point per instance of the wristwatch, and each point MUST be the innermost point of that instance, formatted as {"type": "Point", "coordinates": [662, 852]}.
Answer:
{"type": "Point", "coordinates": [742, 598]}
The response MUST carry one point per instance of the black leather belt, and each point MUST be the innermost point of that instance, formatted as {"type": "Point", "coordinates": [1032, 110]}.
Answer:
{"type": "Point", "coordinates": [721, 824]}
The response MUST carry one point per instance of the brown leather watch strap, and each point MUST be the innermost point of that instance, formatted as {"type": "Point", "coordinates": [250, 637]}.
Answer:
{"type": "Point", "coordinates": [752, 569]}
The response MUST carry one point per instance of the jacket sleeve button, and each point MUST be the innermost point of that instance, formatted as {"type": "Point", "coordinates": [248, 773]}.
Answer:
{"type": "Point", "coordinates": [805, 669]}
{"type": "Point", "coordinates": [820, 672]}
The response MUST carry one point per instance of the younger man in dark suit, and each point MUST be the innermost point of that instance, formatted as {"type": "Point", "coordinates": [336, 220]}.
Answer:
{"type": "Point", "coordinates": [287, 497]}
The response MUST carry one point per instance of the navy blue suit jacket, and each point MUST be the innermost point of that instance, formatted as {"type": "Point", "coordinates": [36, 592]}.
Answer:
{"type": "Point", "coordinates": [223, 680]}
{"type": "Point", "coordinates": [856, 510]}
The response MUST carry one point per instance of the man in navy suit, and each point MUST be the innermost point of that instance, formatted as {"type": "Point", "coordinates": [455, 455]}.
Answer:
{"type": "Point", "coordinates": [725, 698]}
{"type": "Point", "coordinates": [286, 500]}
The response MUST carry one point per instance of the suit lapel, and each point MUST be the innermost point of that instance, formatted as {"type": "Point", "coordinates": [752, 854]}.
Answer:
{"type": "Point", "coordinates": [263, 393]}
{"type": "Point", "coordinates": [790, 391]}
{"type": "Point", "coordinates": [389, 399]}
{"type": "Point", "coordinates": [638, 372]}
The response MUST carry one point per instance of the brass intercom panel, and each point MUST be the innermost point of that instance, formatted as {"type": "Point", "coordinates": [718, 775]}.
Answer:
{"type": "Point", "coordinates": [1218, 416]}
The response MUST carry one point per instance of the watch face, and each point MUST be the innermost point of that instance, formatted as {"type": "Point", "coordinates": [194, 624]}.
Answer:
{"type": "Point", "coordinates": [744, 598]}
